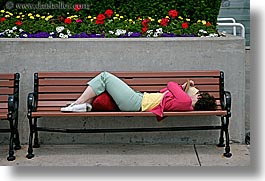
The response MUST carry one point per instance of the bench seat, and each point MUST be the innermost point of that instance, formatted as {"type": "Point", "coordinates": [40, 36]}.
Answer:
{"type": "Point", "coordinates": [129, 114]}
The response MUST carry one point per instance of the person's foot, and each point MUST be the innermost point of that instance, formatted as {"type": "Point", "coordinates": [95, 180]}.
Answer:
{"type": "Point", "coordinates": [77, 108]}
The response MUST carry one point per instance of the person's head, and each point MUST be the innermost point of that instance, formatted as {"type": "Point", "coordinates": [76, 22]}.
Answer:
{"type": "Point", "coordinates": [203, 101]}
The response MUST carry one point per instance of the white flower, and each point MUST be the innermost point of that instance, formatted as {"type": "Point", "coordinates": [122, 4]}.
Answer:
{"type": "Point", "coordinates": [52, 33]}
{"type": "Point", "coordinates": [11, 31]}
{"type": "Point", "coordinates": [149, 31]}
{"type": "Point", "coordinates": [61, 35]}
{"type": "Point", "coordinates": [65, 36]}
{"type": "Point", "coordinates": [20, 30]}
{"type": "Point", "coordinates": [68, 32]}
{"type": "Point", "coordinates": [155, 34]}
{"type": "Point", "coordinates": [14, 28]}
{"type": "Point", "coordinates": [159, 30]}
{"type": "Point", "coordinates": [25, 35]}
{"type": "Point", "coordinates": [120, 32]}
{"type": "Point", "coordinates": [59, 29]}
{"type": "Point", "coordinates": [50, 37]}
{"type": "Point", "coordinates": [111, 32]}
{"type": "Point", "coordinates": [130, 33]}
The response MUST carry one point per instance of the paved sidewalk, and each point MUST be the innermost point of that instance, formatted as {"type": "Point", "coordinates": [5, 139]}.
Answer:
{"type": "Point", "coordinates": [129, 155]}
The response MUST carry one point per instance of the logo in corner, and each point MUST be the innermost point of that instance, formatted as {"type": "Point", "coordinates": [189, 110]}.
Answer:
{"type": "Point", "coordinates": [9, 5]}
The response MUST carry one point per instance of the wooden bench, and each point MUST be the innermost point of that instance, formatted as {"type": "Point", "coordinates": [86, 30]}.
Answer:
{"type": "Point", "coordinates": [52, 90]}
{"type": "Point", "coordinates": [9, 101]}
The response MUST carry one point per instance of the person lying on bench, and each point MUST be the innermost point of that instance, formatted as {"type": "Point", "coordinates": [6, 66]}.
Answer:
{"type": "Point", "coordinates": [171, 98]}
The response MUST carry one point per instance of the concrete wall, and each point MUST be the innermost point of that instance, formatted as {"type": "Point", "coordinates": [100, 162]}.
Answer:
{"type": "Point", "coordinates": [32, 55]}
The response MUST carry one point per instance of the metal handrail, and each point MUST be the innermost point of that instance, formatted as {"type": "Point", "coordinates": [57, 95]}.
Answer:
{"type": "Point", "coordinates": [234, 25]}
{"type": "Point", "coordinates": [229, 19]}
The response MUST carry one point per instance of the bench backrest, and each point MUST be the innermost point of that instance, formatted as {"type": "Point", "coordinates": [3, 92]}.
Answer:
{"type": "Point", "coordinates": [54, 89]}
{"type": "Point", "coordinates": [9, 85]}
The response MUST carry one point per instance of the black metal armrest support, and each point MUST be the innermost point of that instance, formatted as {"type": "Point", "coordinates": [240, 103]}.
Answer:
{"type": "Point", "coordinates": [31, 104]}
{"type": "Point", "coordinates": [228, 100]}
{"type": "Point", "coordinates": [11, 107]}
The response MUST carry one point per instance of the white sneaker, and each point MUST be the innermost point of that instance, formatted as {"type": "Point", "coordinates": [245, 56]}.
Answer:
{"type": "Point", "coordinates": [77, 108]}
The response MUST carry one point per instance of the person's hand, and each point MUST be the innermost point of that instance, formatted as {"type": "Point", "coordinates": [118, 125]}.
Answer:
{"type": "Point", "coordinates": [192, 83]}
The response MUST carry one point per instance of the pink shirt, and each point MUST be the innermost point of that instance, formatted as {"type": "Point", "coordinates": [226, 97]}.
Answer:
{"type": "Point", "coordinates": [174, 99]}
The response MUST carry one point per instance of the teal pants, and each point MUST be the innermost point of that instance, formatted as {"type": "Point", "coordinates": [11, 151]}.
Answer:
{"type": "Point", "coordinates": [125, 97]}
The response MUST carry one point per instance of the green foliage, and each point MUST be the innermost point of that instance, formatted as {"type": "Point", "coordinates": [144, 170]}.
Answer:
{"type": "Point", "coordinates": [128, 16]}
{"type": "Point", "coordinates": [193, 9]}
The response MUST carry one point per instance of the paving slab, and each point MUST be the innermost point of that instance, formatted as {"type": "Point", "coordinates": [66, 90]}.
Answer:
{"type": "Point", "coordinates": [129, 155]}
{"type": "Point", "coordinates": [105, 155]}
{"type": "Point", "coordinates": [209, 156]}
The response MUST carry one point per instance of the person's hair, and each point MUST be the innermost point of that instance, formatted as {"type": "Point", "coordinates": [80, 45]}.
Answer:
{"type": "Point", "coordinates": [205, 102]}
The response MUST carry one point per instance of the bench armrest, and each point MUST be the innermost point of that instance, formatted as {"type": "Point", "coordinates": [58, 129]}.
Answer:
{"type": "Point", "coordinates": [31, 103]}
{"type": "Point", "coordinates": [227, 102]}
{"type": "Point", "coordinates": [11, 106]}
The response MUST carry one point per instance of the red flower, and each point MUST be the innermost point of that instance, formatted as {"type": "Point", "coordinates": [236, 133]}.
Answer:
{"type": "Point", "coordinates": [100, 19]}
{"type": "Point", "coordinates": [173, 13]}
{"type": "Point", "coordinates": [164, 21]}
{"type": "Point", "coordinates": [108, 12]}
{"type": "Point", "coordinates": [145, 22]}
{"type": "Point", "coordinates": [144, 29]}
{"type": "Point", "coordinates": [68, 21]}
{"type": "Point", "coordinates": [77, 7]}
{"type": "Point", "coordinates": [208, 24]}
{"type": "Point", "coordinates": [185, 25]}
{"type": "Point", "coordinates": [19, 23]}
{"type": "Point", "coordinates": [2, 20]}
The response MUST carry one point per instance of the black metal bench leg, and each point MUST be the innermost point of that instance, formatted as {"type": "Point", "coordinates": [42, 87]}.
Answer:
{"type": "Point", "coordinates": [11, 153]}
{"type": "Point", "coordinates": [16, 136]}
{"type": "Point", "coordinates": [227, 153]}
{"type": "Point", "coordinates": [221, 139]}
{"type": "Point", "coordinates": [30, 148]}
{"type": "Point", "coordinates": [36, 135]}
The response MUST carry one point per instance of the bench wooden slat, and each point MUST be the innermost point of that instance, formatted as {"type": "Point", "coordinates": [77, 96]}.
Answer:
{"type": "Point", "coordinates": [129, 74]}
{"type": "Point", "coordinates": [3, 110]}
{"type": "Point", "coordinates": [3, 115]}
{"type": "Point", "coordinates": [138, 81]}
{"type": "Point", "coordinates": [3, 98]}
{"type": "Point", "coordinates": [7, 76]}
{"type": "Point", "coordinates": [3, 105]}
{"type": "Point", "coordinates": [6, 91]}
{"type": "Point", "coordinates": [148, 88]}
{"type": "Point", "coordinates": [63, 103]}
{"type": "Point", "coordinates": [52, 109]}
{"type": "Point", "coordinates": [74, 96]}
{"type": "Point", "coordinates": [6, 83]}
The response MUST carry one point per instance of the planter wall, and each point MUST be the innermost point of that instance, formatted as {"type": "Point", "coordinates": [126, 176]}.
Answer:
{"type": "Point", "coordinates": [32, 55]}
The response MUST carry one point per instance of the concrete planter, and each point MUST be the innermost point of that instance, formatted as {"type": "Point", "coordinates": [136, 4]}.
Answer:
{"type": "Point", "coordinates": [164, 54]}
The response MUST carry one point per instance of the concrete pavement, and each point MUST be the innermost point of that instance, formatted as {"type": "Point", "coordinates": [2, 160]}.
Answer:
{"type": "Point", "coordinates": [129, 155]}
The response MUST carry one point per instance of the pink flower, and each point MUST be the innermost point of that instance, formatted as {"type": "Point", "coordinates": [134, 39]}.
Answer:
{"type": "Point", "coordinates": [78, 21]}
